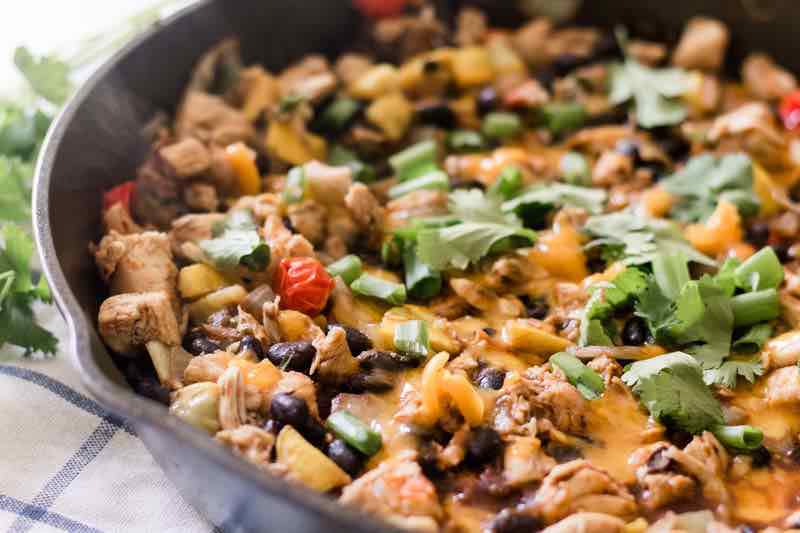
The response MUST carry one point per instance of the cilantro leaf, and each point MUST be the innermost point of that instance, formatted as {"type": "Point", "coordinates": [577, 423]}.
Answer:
{"type": "Point", "coordinates": [18, 327]}
{"type": "Point", "coordinates": [461, 244]}
{"type": "Point", "coordinates": [637, 239]}
{"type": "Point", "coordinates": [707, 179]}
{"type": "Point", "coordinates": [557, 195]}
{"type": "Point", "coordinates": [672, 389]}
{"type": "Point", "coordinates": [15, 194]}
{"type": "Point", "coordinates": [17, 293]}
{"type": "Point", "coordinates": [47, 75]}
{"type": "Point", "coordinates": [753, 339]}
{"type": "Point", "coordinates": [236, 243]}
{"type": "Point", "coordinates": [654, 92]}
{"type": "Point", "coordinates": [604, 300]}
{"type": "Point", "coordinates": [727, 373]}
{"type": "Point", "coordinates": [476, 228]}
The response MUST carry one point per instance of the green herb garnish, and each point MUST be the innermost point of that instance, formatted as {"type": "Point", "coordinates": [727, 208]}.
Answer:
{"type": "Point", "coordinates": [237, 243]}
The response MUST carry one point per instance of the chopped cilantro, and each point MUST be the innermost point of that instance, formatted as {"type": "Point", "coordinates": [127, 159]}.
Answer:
{"type": "Point", "coordinates": [753, 339]}
{"type": "Point", "coordinates": [17, 294]}
{"type": "Point", "coordinates": [637, 239]}
{"type": "Point", "coordinates": [654, 92]}
{"type": "Point", "coordinates": [727, 373]}
{"type": "Point", "coordinates": [672, 389]}
{"type": "Point", "coordinates": [478, 228]}
{"type": "Point", "coordinates": [237, 242]}
{"type": "Point", "coordinates": [707, 179]}
{"type": "Point", "coordinates": [546, 196]}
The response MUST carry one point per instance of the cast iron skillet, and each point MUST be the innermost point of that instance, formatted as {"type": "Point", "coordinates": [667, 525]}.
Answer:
{"type": "Point", "coordinates": [95, 143]}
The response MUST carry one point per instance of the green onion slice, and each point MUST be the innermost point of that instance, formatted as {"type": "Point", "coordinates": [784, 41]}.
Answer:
{"type": "Point", "coordinates": [754, 307]}
{"type": "Point", "coordinates": [369, 285]}
{"type": "Point", "coordinates": [739, 437]}
{"type": "Point", "coordinates": [354, 432]}
{"type": "Point", "coordinates": [501, 125]}
{"type": "Point", "coordinates": [348, 267]}
{"type": "Point", "coordinates": [587, 381]}
{"type": "Point", "coordinates": [415, 160]}
{"type": "Point", "coordinates": [434, 180]}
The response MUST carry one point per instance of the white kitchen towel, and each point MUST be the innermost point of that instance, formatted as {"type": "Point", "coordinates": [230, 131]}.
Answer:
{"type": "Point", "coordinates": [66, 464]}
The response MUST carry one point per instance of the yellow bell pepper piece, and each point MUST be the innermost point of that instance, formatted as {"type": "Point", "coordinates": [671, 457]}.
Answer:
{"type": "Point", "coordinates": [198, 280]}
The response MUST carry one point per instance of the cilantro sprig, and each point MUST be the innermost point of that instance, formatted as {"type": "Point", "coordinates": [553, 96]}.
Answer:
{"type": "Point", "coordinates": [706, 179]}
{"type": "Point", "coordinates": [237, 243]}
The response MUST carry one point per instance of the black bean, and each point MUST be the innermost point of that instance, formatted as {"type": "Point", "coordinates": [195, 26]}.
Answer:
{"type": "Point", "coordinates": [513, 521]}
{"type": "Point", "coordinates": [436, 113]}
{"type": "Point", "coordinates": [606, 47]}
{"type": "Point", "coordinates": [198, 343]}
{"type": "Point", "coordinates": [678, 437]}
{"type": "Point", "coordinates": [428, 459]}
{"type": "Point", "coordinates": [292, 355]}
{"type": "Point", "coordinates": [490, 378]}
{"type": "Point", "coordinates": [635, 331]}
{"type": "Point", "coordinates": [347, 458]}
{"type": "Point", "coordinates": [490, 331]}
{"type": "Point", "coordinates": [288, 409]}
{"type": "Point", "coordinates": [487, 100]}
{"type": "Point", "coordinates": [563, 64]}
{"type": "Point", "coordinates": [223, 317]}
{"type": "Point", "coordinates": [758, 233]}
{"type": "Point", "coordinates": [484, 445]}
{"type": "Point", "coordinates": [252, 345]}
{"type": "Point", "coordinates": [356, 341]}
{"type": "Point", "coordinates": [314, 432]}
{"type": "Point", "coordinates": [546, 78]}
{"type": "Point", "coordinates": [563, 453]}
{"type": "Point", "coordinates": [535, 307]}
{"type": "Point", "coordinates": [761, 457]}
{"type": "Point", "coordinates": [386, 360]}
{"type": "Point", "coordinates": [431, 66]}
{"type": "Point", "coordinates": [375, 380]}
{"type": "Point", "coordinates": [782, 251]}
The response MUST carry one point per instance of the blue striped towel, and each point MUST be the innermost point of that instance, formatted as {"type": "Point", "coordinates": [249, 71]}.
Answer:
{"type": "Point", "coordinates": [66, 464]}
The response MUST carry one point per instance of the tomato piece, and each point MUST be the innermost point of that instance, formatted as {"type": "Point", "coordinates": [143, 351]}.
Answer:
{"type": "Point", "coordinates": [303, 284]}
{"type": "Point", "coordinates": [380, 8]}
{"type": "Point", "coordinates": [790, 111]}
{"type": "Point", "coordinates": [121, 193]}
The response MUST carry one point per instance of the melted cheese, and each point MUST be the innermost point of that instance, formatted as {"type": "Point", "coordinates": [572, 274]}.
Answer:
{"type": "Point", "coordinates": [617, 426]}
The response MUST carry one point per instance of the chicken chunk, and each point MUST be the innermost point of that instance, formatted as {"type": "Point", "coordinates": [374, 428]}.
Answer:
{"type": "Point", "coordinates": [751, 128]}
{"type": "Point", "coordinates": [328, 185]}
{"type": "Point", "coordinates": [139, 262]}
{"type": "Point", "coordinates": [261, 205]}
{"type": "Point", "coordinates": [186, 158]}
{"type": "Point", "coordinates": [531, 41]}
{"type": "Point", "coordinates": [524, 461]}
{"type": "Point", "coordinates": [192, 229]}
{"type": "Point", "coordinates": [119, 219]}
{"type": "Point", "coordinates": [578, 486]}
{"type": "Point", "coordinates": [210, 120]}
{"type": "Point", "coordinates": [206, 367]}
{"type": "Point", "coordinates": [350, 67]}
{"type": "Point", "coordinates": [766, 80]}
{"type": "Point", "coordinates": [128, 321]}
{"type": "Point", "coordinates": [783, 386]}
{"type": "Point", "coordinates": [667, 474]}
{"type": "Point", "coordinates": [250, 442]}
{"type": "Point", "coordinates": [397, 491]}
{"type": "Point", "coordinates": [702, 45]}
{"type": "Point", "coordinates": [417, 204]}
{"type": "Point", "coordinates": [283, 243]}
{"type": "Point", "coordinates": [542, 394]}
{"type": "Point", "coordinates": [308, 219]}
{"type": "Point", "coordinates": [363, 206]}
{"type": "Point", "coordinates": [334, 363]}
{"type": "Point", "coordinates": [201, 197]}
{"type": "Point", "coordinates": [471, 27]}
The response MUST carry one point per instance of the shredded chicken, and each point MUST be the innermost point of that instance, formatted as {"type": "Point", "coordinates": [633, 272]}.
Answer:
{"type": "Point", "coordinates": [186, 158]}
{"type": "Point", "coordinates": [578, 486]}
{"type": "Point", "coordinates": [587, 522]}
{"type": "Point", "coordinates": [232, 405]}
{"type": "Point", "coordinates": [334, 363]}
{"type": "Point", "coordinates": [251, 442]}
{"type": "Point", "coordinates": [398, 491]}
